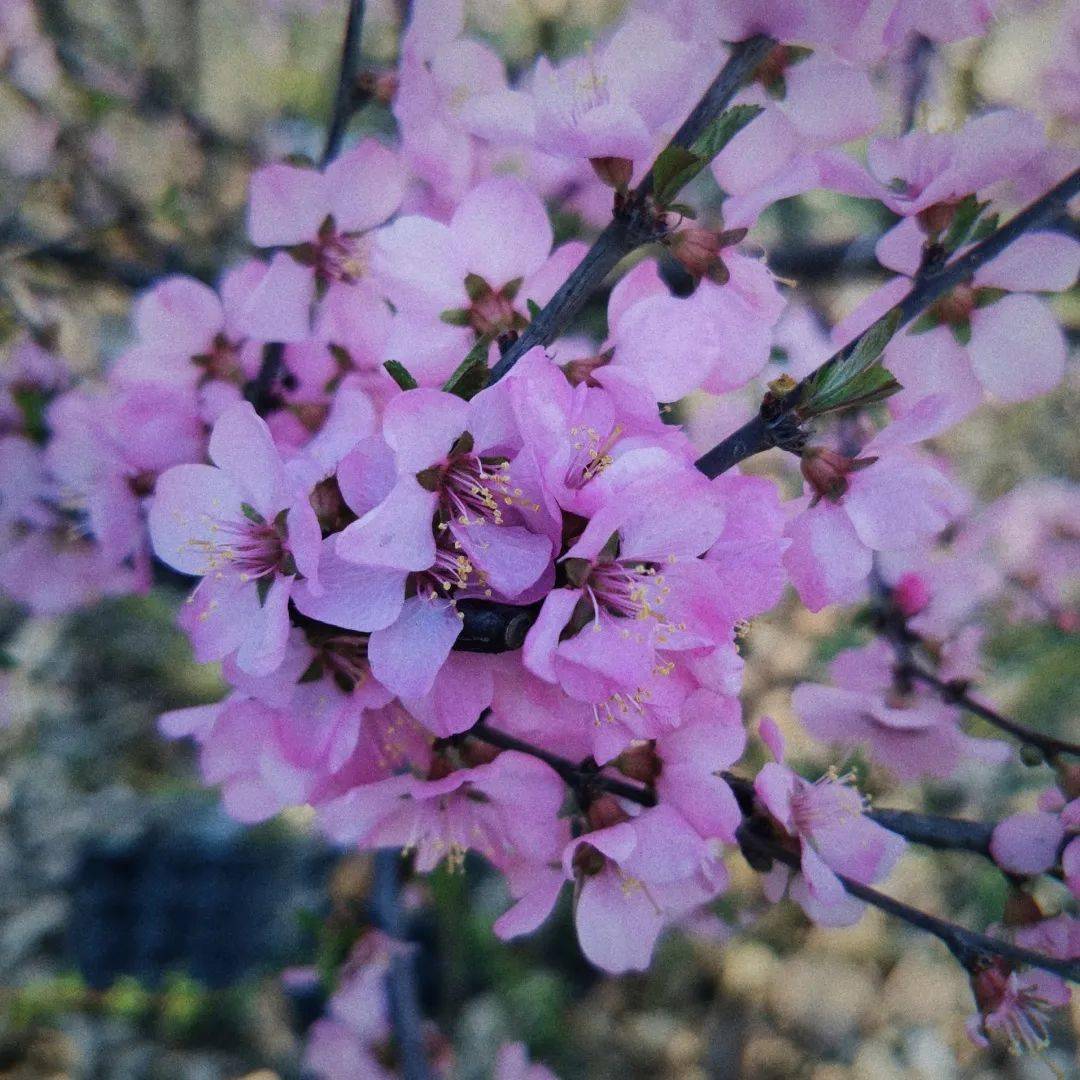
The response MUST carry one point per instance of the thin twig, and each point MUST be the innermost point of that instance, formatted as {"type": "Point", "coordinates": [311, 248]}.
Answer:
{"type": "Point", "coordinates": [971, 949]}
{"type": "Point", "coordinates": [917, 72]}
{"type": "Point", "coordinates": [957, 694]}
{"type": "Point", "coordinates": [760, 434]}
{"type": "Point", "coordinates": [345, 95]}
{"type": "Point", "coordinates": [627, 232]}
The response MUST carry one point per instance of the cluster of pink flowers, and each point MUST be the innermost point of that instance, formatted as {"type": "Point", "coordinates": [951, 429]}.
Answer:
{"type": "Point", "coordinates": [342, 534]}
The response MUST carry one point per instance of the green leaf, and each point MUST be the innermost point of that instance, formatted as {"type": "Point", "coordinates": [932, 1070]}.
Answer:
{"type": "Point", "coordinates": [471, 375]}
{"type": "Point", "coordinates": [32, 402]}
{"type": "Point", "coordinates": [252, 514]}
{"type": "Point", "coordinates": [673, 163]}
{"type": "Point", "coordinates": [984, 228]}
{"type": "Point", "coordinates": [534, 309]}
{"type": "Point", "coordinates": [677, 166]}
{"type": "Point", "coordinates": [7, 661]}
{"type": "Point", "coordinates": [400, 374]}
{"type": "Point", "coordinates": [455, 316]}
{"type": "Point", "coordinates": [723, 129]}
{"type": "Point", "coordinates": [850, 377]}
{"type": "Point", "coordinates": [262, 587]}
{"type": "Point", "coordinates": [966, 214]}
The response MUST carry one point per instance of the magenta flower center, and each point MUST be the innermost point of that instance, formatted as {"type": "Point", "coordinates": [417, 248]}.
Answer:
{"type": "Point", "coordinates": [251, 549]}
{"type": "Point", "coordinates": [591, 454]}
{"type": "Point", "coordinates": [341, 257]}
{"type": "Point", "coordinates": [628, 590]}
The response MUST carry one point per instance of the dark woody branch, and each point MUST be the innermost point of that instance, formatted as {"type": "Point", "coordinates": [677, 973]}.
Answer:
{"type": "Point", "coordinates": [971, 949]}
{"type": "Point", "coordinates": [772, 427]}
{"type": "Point", "coordinates": [632, 226]}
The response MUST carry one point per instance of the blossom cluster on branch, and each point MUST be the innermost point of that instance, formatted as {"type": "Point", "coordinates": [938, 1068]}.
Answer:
{"type": "Point", "coordinates": [322, 441]}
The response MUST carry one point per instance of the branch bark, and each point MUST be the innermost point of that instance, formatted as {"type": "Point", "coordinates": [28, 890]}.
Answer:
{"type": "Point", "coordinates": [759, 434]}
{"type": "Point", "coordinates": [970, 948]}
{"type": "Point", "coordinates": [345, 95]}
{"type": "Point", "coordinates": [627, 232]}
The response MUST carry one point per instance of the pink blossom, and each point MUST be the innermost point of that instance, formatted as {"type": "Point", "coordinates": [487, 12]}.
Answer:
{"type": "Point", "coordinates": [717, 340]}
{"type": "Point", "coordinates": [914, 734]}
{"type": "Point", "coordinates": [608, 104]}
{"type": "Point", "coordinates": [835, 838]}
{"type": "Point", "coordinates": [322, 219]}
{"type": "Point", "coordinates": [472, 277]}
{"type": "Point", "coordinates": [877, 504]}
{"type": "Point", "coordinates": [914, 172]}
{"type": "Point", "coordinates": [512, 1063]}
{"type": "Point", "coordinates": [477, 809]}
{"type": "Point", "coordinates": [239, 526]}
{"type": "Point", "coordinates": [634, 877]}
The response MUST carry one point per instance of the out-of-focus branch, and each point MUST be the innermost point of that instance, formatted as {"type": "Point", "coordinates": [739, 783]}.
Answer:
{"type": "Point", "coordinates": [630, 229]}
{"type": "Point", "coordinates": [346, 94]}
{"type": "Point", "coordinates": [906, 644]}
{"type": "Point", "coordinates": [973, 950]}
{"type": "Point", "coordinates": [917, 73]}
{"type": "Point", "coordinates": [406, 1017]}
{"type": "Point", "coordinates": [764, 432]}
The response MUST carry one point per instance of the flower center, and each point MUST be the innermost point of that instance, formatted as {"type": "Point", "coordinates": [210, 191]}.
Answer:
{"type": "Point", "coordinates": [252, 548]}
{"type": "Point", "coordinates": [591, 456]}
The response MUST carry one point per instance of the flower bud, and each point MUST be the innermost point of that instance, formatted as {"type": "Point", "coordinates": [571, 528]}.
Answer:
{"type": "Point", "coordinates": [605, 812]}
{"type": "Point", "coordinates": [956, 307]}
{"type": "Point", "coordinates": [826, 471]}
{"type": "Point", "coordinates": [1021, 909]}
{"type": "Point", "coordinates": [698, 249]}
{"type": "Point", "coordinates": [935, 219]}
{"type": "Point", "coordinates": [911, 594]}
{"type": "Point", "coordinates": [616, 172]}
{"type": "Point", "coordinates": [640, 762]}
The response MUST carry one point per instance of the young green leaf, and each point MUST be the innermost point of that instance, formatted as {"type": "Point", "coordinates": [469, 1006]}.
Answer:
{"type": "Point", "coordinates": [850, 376]}
{"type": "Point", "coordinates": [471, 375]}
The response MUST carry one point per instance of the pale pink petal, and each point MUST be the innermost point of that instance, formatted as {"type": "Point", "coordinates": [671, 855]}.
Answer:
{"type": "Point", "coordinates": [417, 262]}
{"type": "Point", "coordinates": [406, 656]}
{"type": "Point", "coordinates": [265, 638]}
{"type": "Point", "coordinates": [775, 786]}
{"type": "Point", "coordinates": [899, 501]}
{"type": "Point", "coordinates": [241, 446]}
{"type": "Point", "coordinates": [288, 204]}
{"type": "Point", "coordinates": [180, 315]}
{"type": "Point", "coordinates": [421, 426]}
{"type": "Point", "coordinates": [502, 231]}
{"type": "Point", "coordinates": [362, 598]}
{"type": "Point", "coordinates": [279, 308]}
{"type": "Point", "coordinates": [1027, 843]}
{"type": "Point", "coordinates": [366, 185]}
{"type": "Point", "coordinates": [1034, 262]}
{"type": "Point", "coordinates": [1017, 348]}
{"type": "Point", "coordinates": [189, 503]}
{"type": "Point", "coordinates": [901, 248]}
{"type": "Point", "coordinates": [397, 534]}
{"type": "Point", "coordinates": [828, 563]}
{"type": "Point", "coordinates": [616, 926]}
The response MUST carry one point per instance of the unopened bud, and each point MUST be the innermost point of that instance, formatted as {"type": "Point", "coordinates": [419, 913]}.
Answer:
{"type": "Point", "coordinates": [827, 471]}
{"type": "Point", "coordinates": [616, 172]}
{"type": "Point", "coordinates": [588, 862]}
{"type": "Point", "coordinates": [1021, 909]}
{"type": "Point", "coordinates": [605, 812]}
{"type": "Point", "coordinates": [911, 594]}
{"type": "Point", "coordinates": [640, 762]}
{"type": "Point", "coordinates": [698, 249]}
{"type": "Point", "coordinates": [935, 219]}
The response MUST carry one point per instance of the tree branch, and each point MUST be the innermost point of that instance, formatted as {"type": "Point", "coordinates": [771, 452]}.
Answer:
{"type": "Point", "coordinates": [941, 833]}
{"type": "Point", "coordinates": [345, 95]}
{"type": "Point", "coordinates": [760, 434]}
{"type": "Point", "coordinates": [956, 694]}
{"type": "Point", "coordinates": [971, 949]}
{"type": "Point", "coordinates": [629, 231]}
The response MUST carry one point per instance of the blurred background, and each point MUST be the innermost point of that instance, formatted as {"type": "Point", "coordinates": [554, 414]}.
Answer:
{"type": "Point", "coordinates": [143, 934]}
